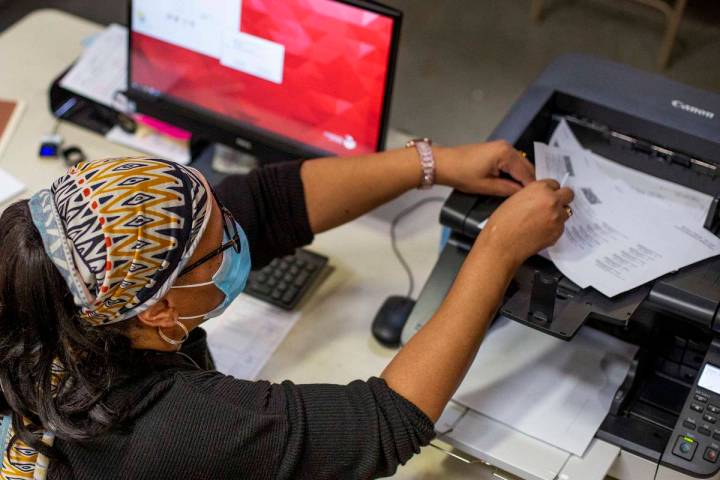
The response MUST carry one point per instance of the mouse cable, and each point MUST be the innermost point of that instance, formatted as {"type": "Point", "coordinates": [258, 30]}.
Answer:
{"type": "Point", "coordinates": [393, 237]}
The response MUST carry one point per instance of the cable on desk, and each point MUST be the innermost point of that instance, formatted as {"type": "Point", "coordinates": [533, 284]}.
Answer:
{"type": "Point", "coordinates": [393, 237]}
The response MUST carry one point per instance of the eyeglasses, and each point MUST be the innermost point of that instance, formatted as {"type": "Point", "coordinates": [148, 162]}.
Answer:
{"type": "Point", "coordinates": [230, 228]}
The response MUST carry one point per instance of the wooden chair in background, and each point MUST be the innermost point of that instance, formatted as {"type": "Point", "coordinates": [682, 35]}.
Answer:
{"type": "Point", "coordinates": [673, 12]}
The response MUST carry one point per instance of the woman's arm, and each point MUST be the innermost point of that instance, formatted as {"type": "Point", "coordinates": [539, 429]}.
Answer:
{"type": "Point", "coordinates": [338, 190]}
{"type": "Point", "coordinates": [428, 370]}
{"type": "Point", "coordinates": [269, 204]}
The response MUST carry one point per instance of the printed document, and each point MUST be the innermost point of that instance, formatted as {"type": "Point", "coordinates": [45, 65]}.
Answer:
{"type": "Point", "coordinates": [242, 339]}
{"type": "Point", "coordinates": [628, 228]}
{"type": "Point", "coordinates": [102, 68]}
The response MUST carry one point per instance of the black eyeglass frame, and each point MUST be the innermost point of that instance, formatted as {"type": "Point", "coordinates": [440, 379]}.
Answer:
{"type": "Point", "coordinates": [230, 228]}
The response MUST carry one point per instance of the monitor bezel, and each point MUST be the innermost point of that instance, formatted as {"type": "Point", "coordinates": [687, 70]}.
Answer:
{"type": "Point", "coordinates": [207, 126]}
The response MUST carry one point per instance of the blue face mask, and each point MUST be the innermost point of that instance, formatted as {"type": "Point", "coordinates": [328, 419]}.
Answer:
{"type": "Point", "coordinates": [230, 278]}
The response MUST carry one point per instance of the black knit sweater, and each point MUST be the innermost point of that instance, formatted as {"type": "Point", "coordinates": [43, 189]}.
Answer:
{"type": "Point", "coordinates": [187, 421]}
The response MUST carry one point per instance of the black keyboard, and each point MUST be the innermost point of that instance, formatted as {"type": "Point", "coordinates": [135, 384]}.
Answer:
{"type": "Point", "coordinates": [285, 281]}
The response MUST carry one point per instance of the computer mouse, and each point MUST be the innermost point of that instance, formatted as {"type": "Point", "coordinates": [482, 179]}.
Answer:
{"type": "Point", "coordinates": [388, 324]}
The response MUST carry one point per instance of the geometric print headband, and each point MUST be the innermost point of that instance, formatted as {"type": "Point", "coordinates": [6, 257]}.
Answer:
{"type": "Point", "coordinates": [120, 231]}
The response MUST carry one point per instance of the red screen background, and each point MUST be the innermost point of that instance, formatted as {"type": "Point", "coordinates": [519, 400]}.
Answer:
{"type": "Point", "coordinates": [334, 79]}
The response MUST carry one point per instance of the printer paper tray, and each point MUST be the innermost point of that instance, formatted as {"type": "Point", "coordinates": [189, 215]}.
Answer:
{"type": "Point", "coordinates": [572, 305]}
{"type": "Point", "coordinates": [511, 451]}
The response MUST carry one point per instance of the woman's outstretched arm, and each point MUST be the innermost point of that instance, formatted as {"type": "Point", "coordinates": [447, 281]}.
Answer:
{"type": "Point", "coordinates": [338, 190]}
{"type": "Point", "coordinates": [428, 370]}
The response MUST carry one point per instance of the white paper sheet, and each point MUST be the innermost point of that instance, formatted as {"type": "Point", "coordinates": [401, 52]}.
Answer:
{"type": "Point", "coordinates": [9, 186]}
{"type": "Point", "coordinates": [628, 227]}
{"type": "Point", "coordinates": [243, 338]}
{"type": "Point", "coordinates": [563, 137]}
{"type": "Point", "coordinates": [101, 70]}
{"type": "Point", "coordinates": [556, 391]}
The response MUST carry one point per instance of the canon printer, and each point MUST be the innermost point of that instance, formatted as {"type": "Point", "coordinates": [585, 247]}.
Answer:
{"type": "Point", "coordinates": [661, 416]}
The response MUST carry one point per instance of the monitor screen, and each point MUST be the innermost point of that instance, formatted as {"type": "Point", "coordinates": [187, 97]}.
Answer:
{"type": "Point", "coordinates": [315, 72]}
{"type": "Point", "coordinates": [710, 378]}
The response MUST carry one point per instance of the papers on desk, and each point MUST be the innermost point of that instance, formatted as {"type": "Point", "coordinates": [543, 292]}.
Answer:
{"type": "Point", "coordinates": [102, 68]}
{"type": "Point", "coordinates": [9, 186]}
{"type": "Point", "coordinates": [556, 391]}
{"type": "Point", "coordinates": [628, 227]}
{"type": "Point", "coordinates": [243, 338]}
{"type": "Point", "coordinates": [99, 74]}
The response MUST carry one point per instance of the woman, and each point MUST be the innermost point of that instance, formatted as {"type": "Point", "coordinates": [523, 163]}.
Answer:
{"type": "Point", "coordinates": [105, 277]}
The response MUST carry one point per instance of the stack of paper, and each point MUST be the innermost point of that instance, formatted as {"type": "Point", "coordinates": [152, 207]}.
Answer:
{"type": "Point", "coordinates": [101, 70]}
{"type": "Point", "coordinates": [628, 227]}
{"type": "Point", "coordinates": [556, 391]}
{"type": "Point", "coordinates": [100, 74]}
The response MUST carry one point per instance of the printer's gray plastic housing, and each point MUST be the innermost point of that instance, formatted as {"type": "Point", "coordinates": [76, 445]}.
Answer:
{"type": "Point", "coordinates": [651, 124]}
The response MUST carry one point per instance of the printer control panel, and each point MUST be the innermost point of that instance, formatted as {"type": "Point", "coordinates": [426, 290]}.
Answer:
{"type": "Point", "coordinates": [694, 446]}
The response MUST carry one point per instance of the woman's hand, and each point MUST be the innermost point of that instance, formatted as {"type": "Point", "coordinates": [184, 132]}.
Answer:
{"type": "Point", "coordinates": [476, 168]}
{"type": "Point", "coordinates": [527, 222]}
{"type": "Point", "coordinates": [429, 368]}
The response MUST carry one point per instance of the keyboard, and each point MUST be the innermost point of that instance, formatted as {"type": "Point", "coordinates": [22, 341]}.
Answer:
{"type": "Point", "coordinates": [287, 280]}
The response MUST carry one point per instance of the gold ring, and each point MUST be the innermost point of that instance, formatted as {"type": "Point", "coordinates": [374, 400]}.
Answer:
{"type": "Point", "coordinates": [569, 211]}
{"type": "Point", "coordinates": [523, 153]}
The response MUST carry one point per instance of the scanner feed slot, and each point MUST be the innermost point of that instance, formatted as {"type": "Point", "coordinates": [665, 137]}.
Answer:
{"type": "Point", "coordinates": [582, 126]}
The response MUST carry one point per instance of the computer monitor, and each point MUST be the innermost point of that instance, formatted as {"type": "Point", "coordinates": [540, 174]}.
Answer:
{"type": "Point", "coordinates": [296, 78]}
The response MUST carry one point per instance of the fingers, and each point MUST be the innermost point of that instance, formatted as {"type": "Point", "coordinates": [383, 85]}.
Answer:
{"type": "Point", "coordinates": [565, 195]}
{"type": "Point", "coordinates": [550, 183]}
{"type": "Point", "coordinates": [514, 163]}
{"type": "Point", "coordinates": [499, 187]}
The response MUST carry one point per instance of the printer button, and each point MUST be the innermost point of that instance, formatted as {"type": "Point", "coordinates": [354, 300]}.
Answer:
{"type": "Point", "coordinates": [714, 409]}
{"type": "Point", "coordinates": [711, 455]}
{"type": "Point", "coordinates": [690, 424]}
{"type": "Point", "coordinates": [685, 447]}
{"type": "Point", "coordinates": [716, 434]}
{"type": "Point", "coordinates": [697, 407]}
{"type": "Point", "coordinates": [703, 399]}
{"type": "Point", "coordinates": [709, 418]}
{"type": "Point", "coordinates": [704, 430]}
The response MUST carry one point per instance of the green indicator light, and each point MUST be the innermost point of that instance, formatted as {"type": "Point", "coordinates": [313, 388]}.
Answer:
{"type": "Point", "coordinates": [689, 440]}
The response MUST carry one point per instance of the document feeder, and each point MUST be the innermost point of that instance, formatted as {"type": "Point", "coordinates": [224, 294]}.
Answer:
{"type": "Point", "coordinates": [662, 128]}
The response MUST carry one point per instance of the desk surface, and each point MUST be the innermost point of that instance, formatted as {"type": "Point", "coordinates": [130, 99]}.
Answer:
{"type": "Point", "coordinates": [331, 343]}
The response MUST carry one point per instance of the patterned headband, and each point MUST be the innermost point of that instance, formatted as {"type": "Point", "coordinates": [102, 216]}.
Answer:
{"type": "Point", "coordinates": [120, 230]}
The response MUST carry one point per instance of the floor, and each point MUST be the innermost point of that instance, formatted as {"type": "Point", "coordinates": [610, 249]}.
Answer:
{"type": "Point", "coordinates": [463, 62]}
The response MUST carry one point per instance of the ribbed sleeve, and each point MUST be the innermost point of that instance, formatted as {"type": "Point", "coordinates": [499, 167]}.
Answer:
{"type": "Point", "coordinates": [358, 431]}
{"type": "Point", "coordinates": [269, 204]}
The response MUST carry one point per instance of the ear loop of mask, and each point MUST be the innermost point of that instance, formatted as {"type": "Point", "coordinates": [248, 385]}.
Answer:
{"type": "Point", "coordinates": [204, 284]}
{"type": "Point", "coordinates": [193, 285]}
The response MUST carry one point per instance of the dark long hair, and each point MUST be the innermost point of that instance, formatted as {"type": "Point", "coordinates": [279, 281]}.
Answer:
{"type": "Point", "coordinates": [39, 325]}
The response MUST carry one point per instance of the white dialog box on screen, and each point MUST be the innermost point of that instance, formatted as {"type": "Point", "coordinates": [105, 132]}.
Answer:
{"type": "Point", "coordinates": [196, 25]}
{"type": "Point", "coordinates": [254, 55]}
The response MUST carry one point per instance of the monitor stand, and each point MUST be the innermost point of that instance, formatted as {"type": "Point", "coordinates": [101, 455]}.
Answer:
{"type": "Point", "coordinates": [216, 161]}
